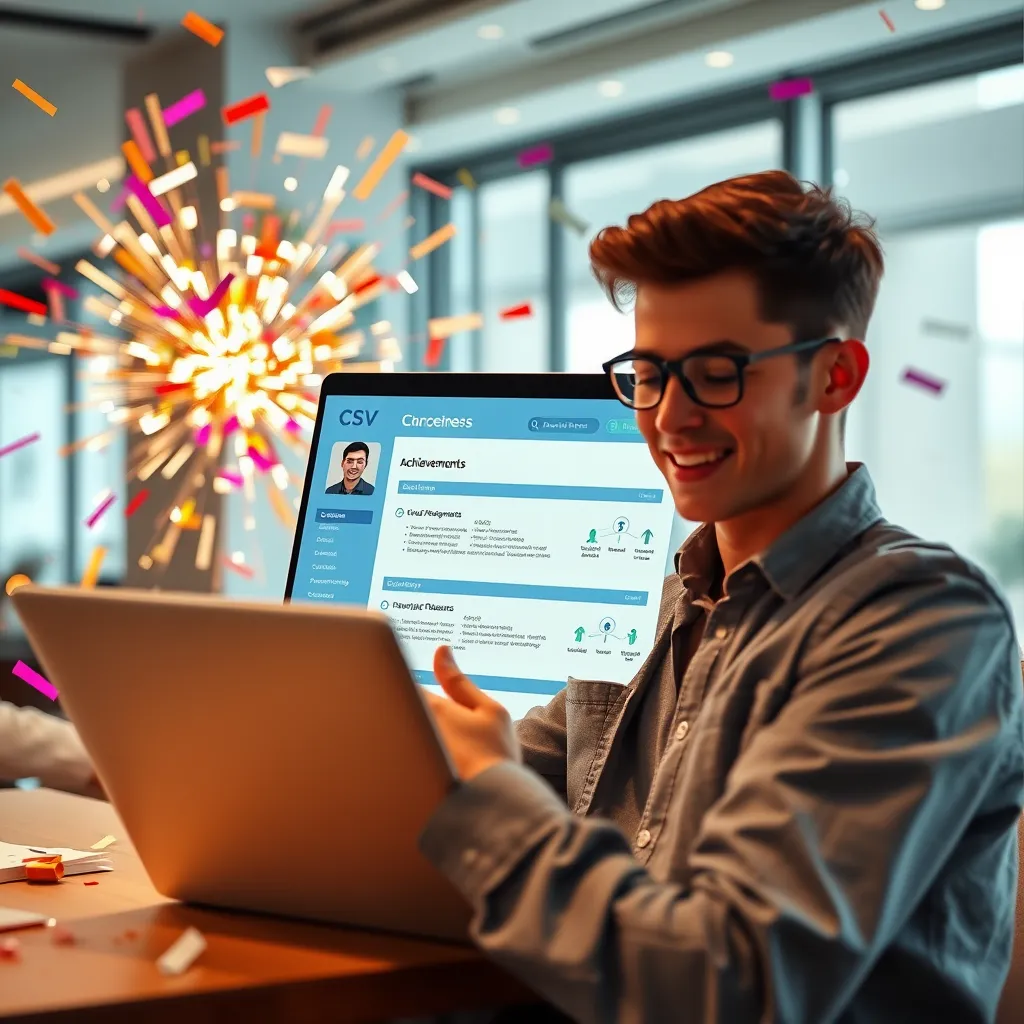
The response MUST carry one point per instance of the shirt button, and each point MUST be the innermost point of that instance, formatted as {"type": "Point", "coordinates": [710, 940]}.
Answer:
{"type": "Point", "coordinates": [643, 838]}
{"type": "Point", "coordinates": [721, 633]}
{"type": "Point", "coordinates": [682, 730]}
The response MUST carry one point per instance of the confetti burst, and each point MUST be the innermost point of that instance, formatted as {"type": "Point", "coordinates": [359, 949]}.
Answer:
{"type": "Point", "coordinates": [221, 340]}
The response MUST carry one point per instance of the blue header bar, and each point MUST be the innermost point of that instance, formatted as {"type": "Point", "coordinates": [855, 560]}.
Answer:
{"type": "Point", "coordinates": [477, 588]}
{"type": "Point", "coordinates": [469, 489]}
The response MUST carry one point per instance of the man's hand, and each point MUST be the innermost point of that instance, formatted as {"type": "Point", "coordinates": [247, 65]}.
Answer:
{"type": "Point", "coordinates": [477, 731]}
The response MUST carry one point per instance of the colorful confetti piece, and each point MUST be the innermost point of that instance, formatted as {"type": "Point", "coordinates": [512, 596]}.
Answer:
{"type": "Point", "coordinates": [183, 953]}
{"type": "Point", "coordinates": [103, 843]}
{"type": "Point", "coordinates": [240, 567]}
{"type": "Point", "coordinates": [16, 301]}
{"type": "Point", "coordinates": [250, 107]}
{"type": "Point", "coordinates": [380, 166]}
{"type": "Point", "coordinates": [516, 312]}
{"type": "Point", "coordinates": [888, 21]}
{"type": "Point", "coordinates": [29, 210]}
{"type": "Point", "coordinates": [136, 503]}
{"type": "Point", "coordinates": [282, 76]}
{"type": "Point", "coordinates": [432, 242]}
{"type": "Point", "coordinates": [92, 570]}
{"type": "Point", "coordinates": [161, 218]}
{"type": "Point", "coordinates": [311, 147]}
{"type": "Point", "coordinates": [140, 133]}
{"type": "Point", "coordinates": [536, 155]}
{"type": "Point", "coordinates": [435, 349]}
{"type": "Point", "coordinates": [41, 262]}
{"type": "Point", "coordinates": [136, 161]}
{"type": "Point", "coordinates": [445, 326]}
{"type": "Point", "coordinates": [33, 97]}
{"type": "Point", "coordinates": [34, 679]}
{"type": "Point", "coordinates": [185, 107]}
{"type": "Point", "coordinates": [923, 380]}
{"type": "Point", "coordinates": [98, 512]}
{"type": "Point", "coordinates": [467, 179]}
{"type": "Point", "coordinates": [429, 185]}
{"type": "Point", "coordinates": [561, 214]}
{"type": "Point", "coordinates": [365, 148]}
{"type": "Point", "coordinates": [20, 443]}
{"type": "Point", "coordinates": [205, 30]}
{"type": "Point", "coordinates": [790, 89]}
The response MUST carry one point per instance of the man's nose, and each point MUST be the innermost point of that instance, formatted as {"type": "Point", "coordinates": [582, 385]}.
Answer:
{"type": "Point", "coordinates": [677, 411]}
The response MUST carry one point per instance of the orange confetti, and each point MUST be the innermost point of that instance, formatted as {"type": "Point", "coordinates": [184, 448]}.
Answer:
{"type": "Point", "coordinates": [435, 348]}
{"type": "Point", "coordinates": [136, 161]}
{"type": "Point", "coordinates": [39, 261]}
{"type": "Point", "coordinates": [429, 185]}
{"type": "Point", "coordinates": [365, 148]}
{"type": "Point", "coordinates": [432, 242]}
{"type": "Point", "coordinates": [45, 869]}
{"type": "Point", "coordinates": [33, 97]}
{"type": "Point", "coordinates": [29, 210]}
{"type": "Point", "coordinates": [380, 166]}
{"type": "Point", "coordinates": [199, 26]}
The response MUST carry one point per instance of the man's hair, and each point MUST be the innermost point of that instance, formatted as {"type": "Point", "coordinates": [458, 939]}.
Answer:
{"type": "Point", "coordinates": [356, 446]}
{"type": "Point", "coordinates": [816, 264]}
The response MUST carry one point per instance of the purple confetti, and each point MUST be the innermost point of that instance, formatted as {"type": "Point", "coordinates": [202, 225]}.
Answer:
{"type": "Point", "coordinates": [153, 206]}
{"type": "Point", "coordinates": [230, 426]}
{"type": "Point", "coordinates": [206, 250]}
{"type": "Point", "coordinates": [20, 443]}
{"type": "Point", "coordinates": [117, 204]}
{"type": "Point", "coordinates": [231, 476]}
{"type": "Point", "coordinates": [33, 678]}
{"type": "Point", "coordinates": [261, 462]}
{"type": "Point", "coordinates": [94, 518]}
{"type": "Point", "coordinates": [293, 427]}
{"type": "Point", "coordinates": [51, 284]}
{"type": "Point", "coordinates": [185, 107]}
{"type": "Point", "coordinates": [790, 88]}
{"type": "Point", "coordinates": [541, 154]}
{"type": "Point", "coordinates": [923, 380]}
{"type": "Point", "coordinates": [202, 435]}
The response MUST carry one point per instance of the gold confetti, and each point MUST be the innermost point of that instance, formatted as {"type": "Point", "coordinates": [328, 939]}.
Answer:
{"type": "Point", "coordinates": [432, 242]}
{"type": "Point", "coordinates": [33, 97]}
{"type": "Point", "coordinates": [380, 166]}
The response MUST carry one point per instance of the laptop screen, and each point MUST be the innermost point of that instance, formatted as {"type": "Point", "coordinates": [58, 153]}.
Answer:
{"type": "Point", "coordinates": [528, 534]}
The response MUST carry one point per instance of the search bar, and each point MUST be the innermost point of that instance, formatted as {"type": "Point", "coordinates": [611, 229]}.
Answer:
{"type": "Point", "coordinates": [563, 425]}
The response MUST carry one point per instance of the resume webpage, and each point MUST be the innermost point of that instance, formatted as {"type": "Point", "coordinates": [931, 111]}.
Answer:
{"type": "Point", "coordinates": [529, 535]}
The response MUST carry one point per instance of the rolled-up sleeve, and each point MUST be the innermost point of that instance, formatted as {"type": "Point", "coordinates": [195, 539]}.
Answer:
{"type": "Point", "coordinates": [36, 745]}
{"type": "Point", "coordinates": [834, 822]}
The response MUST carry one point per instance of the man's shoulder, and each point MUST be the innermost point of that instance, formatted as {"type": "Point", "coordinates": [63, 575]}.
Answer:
{"type": "Point", "coordinates": [334, 489]}
{"type": "Point", "coordinates": [366, 488]}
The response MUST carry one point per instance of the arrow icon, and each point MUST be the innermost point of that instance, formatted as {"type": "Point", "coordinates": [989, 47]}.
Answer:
{"type": "Point", "coordinates": [282, 76]}
{"type": "Point", "coordinates": [647, 535]}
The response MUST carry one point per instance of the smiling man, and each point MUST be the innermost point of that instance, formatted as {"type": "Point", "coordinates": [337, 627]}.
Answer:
{"type": "Point", "coordinates": [354, 460]}
{"type": "Point", "coordinates": [804, 806]}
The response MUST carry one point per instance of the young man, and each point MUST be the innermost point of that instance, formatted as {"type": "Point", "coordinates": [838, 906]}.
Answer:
{"type": "Point", "coordinates": [804, 806]}
{"type": "Point", "coordinates": [354, 460]}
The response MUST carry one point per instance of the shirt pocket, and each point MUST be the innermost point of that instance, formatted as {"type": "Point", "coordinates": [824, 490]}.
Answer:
{"type": "Point", "coordinates": [591, 710]}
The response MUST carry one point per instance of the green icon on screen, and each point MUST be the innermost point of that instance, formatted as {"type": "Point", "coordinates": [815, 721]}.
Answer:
{"type": "Point", "coordinates": [579, 634]}
{"type": "Point", "coordinates": [631, 637]}
{"type": "Point", "coordinates": [592, 539]}
{"type": "Point", "coordinates": [646, 536]}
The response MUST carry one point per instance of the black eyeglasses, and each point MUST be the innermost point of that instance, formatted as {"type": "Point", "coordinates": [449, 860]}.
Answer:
{"type": "Point", "coordinates": [711, 379]}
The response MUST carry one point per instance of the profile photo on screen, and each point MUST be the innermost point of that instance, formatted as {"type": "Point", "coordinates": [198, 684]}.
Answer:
{"type": "Point", "coordinates": [353, 467]}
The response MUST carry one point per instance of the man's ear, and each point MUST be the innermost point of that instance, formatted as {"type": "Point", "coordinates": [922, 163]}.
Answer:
{"type": "Point", "coordinates": [847, 371]}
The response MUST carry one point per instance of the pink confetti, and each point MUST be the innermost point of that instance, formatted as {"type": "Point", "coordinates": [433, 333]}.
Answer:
{"type": "Point", "coordinates": [102, 507]}
{"type": "Point", "coordinates": [206, 250]}
{"type": "Point", "coordinates": [137, 124]}
{"type": "Point", "coordinates": [336, 227]}
{"type": "Point", "coordinates": [541, 154]}
{"type": "Point", "coordinates": [790, 88]}
{"type": "Point", "coordinates": [429, 185]}
{"type": "Point", "coordinates": [202, 435]}
{"type": "Point", "coordinates": [35, 680]}
{"type": "Point", "coordinates": [20, 443]}
{"type": "Point", "coordinates": [230, 426]}
{"type": "Point", "coordinates": [10, 949]}
{"type": "Point", "coordinates": [888, 21]}
{"type": "Point", "coordinates": [153, 206]}
{"type": "Point", "coordinates": [51, 284]}
{"type": "Point", "coordinates": [260, 461]}
{"type": "Point", "coordinates": [233, 478]}
{"type": "Point", "coordinates": [63, 936]}
{"type": "Point", "coordinates": [293, 427]}
{"type": "Point", "coordinates": [185, 107]}
{"type": "Point", "coordinates": [117, 204]}
{"type": "Point", "coordinates": [923, 380]}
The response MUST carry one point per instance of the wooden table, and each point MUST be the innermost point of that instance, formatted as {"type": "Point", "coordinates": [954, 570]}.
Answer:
{"type": "Point", "coordinates": [255, 968]}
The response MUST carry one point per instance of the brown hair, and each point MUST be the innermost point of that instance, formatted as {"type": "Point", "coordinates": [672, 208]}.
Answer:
{"type": "Point", "coordinates": [817, 264]}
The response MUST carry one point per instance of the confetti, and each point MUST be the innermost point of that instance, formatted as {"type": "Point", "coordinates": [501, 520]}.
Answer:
{"type": "Point", "coordinates": [185, 107]}
{"type": "Point", "coordinates": [29, 210]}
{"type": "Point", "coordinates": [91, 883]}
{"type": "Point", "coordinates": [404, 278]}
{"type": "Point", "coordinates": [246, 108]}
{"type": "Point", "coordinates": [63, 936]}
{"type": "Point", "coordinates": [947, 328]}
{"type": "Point", "coordinates": [140, 133]}
{"type": "Point", "coordinates": [888, 21]}
{"type": "Point", "coordinates": [542, 154]}
{"type": "Point", "coordinates": [92, 570]}
{"type": "Point", "coordinates": [558, 212]}
{"type": "Point", "coordinates": [365, 148]}
{"type": "Point", "coordinates": [923, 380]}
{"type": "Point", "coordinates": [173, 179]}
{"type": "Point", "coordinates": [516, 312]}
{"type": "Point", "coordinates": [225, 147]}
{"type": "Point", "coordinates": [53, 285]}
{"type": "Point", "coordinates": [466, 178]}
{"type": "Point", "coordinates": [33, 97]}
{"type": "Point", "coordinates": [19, 579]}
{"type": "Point", "coordinates": [445, 326]}
{"type": "Point", "coordinates": [435, 348]}
{"type": "Point", "coordinates": [45, 869]}
{"type": "Point", "coordinates": [136, 503]}
{"type": "Point", "coordinates": [312, 147]}
{"type": "Point", "coordinates": [34, 679]}
{"type": "Point", "coordinates": [20, 443]}
{"type": "Point", "coordinates": [429, 185]}
{"type": "Point", "coordinates": [342, 227]}
{"type": "Point", "coordinates": [393, 205]}
{"type": "Point", "coordinates": [16, 301]}
{"type": "Point", "coordinates": [199, 26]}
{"type": "Point", "coordinates": [257, 135]}
{"type": "Point", "coordinates": [380, 166]}
{"type": "Point", "coordinates": [790, 89]}
{"type": "Point", "coordinates": [136, 161]}
{"type": "Point", "coordinates": [432, 242]}
{"type": "Point", "coordinates": [39, 261]}
{"type": "Point", "coordinates": [139, 189]}
{"type": "Point", "coordinates": [183, 953]}
{"type": "Point", "coordinates": [322, 118]}
{"type": "Point", "coordinates": [10, 949]}
{"type": "Point", "coordinates": [156, 119]}
{"type": "Point", "coordinates": [240, 567]}
{"type": "Point", "coordinates": [97, 513]}
{"type": "Point", "coordinates": [282, 76]}
{"type": "Point", "coordinates": [103, 843]}
{"type": "Point", "coordinates": [255, 200]}
{"type": "Point", "coordinates": [203, 142]}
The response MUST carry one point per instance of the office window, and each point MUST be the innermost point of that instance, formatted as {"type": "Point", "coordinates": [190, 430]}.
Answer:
{"type": "Point", "coordinates": [513, 246]}
{"type": "Point", "coordinates": [462, 347]}
{"type": "Point", "coordinates": [606, 191]}
{"type": "Point", "coordinates": [33, 481]}
{"type": "Point", "coordinates": [955, 145]}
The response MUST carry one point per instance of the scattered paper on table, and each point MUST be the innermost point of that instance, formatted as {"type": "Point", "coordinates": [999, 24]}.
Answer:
{"type": "Point", "coordinates": [12, 919]}
{"type": "Point", "coordinates": [183, 953]}
{"type": "Point", "coordinates": [103, 843]}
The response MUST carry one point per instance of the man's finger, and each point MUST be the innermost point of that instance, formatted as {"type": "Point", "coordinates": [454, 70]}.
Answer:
{"type": "Point", "coordinates": [453, 682]}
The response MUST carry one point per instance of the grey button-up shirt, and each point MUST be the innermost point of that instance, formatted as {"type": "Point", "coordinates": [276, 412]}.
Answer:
{"type": "Point", "coordinates": [815, 823]}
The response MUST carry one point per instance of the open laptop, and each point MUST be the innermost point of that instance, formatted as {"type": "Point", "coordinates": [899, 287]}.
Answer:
{"type": "Point", "coordinates": [516, 517]}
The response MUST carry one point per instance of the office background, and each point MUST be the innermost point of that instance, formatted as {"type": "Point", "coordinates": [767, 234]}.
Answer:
{"type": "Point", "coordinates": [921, 126]}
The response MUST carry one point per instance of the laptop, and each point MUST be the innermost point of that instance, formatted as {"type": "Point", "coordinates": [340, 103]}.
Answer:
{"type": "Point", "coordinates": [516, 517]}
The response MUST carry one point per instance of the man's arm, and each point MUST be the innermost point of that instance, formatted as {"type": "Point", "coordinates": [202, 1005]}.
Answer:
{"type": "Point", "coordinates": [834, 823]}
{"type": "Point", "coordinates": [542, 740]}
{"type": "Point", "coordinates": [37, 745]}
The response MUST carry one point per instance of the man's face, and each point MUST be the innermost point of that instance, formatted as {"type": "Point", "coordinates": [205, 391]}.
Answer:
{"type": "Point", "coordinates": [759, 447]}
{"type": "Point", "coordinates": [353, 464]}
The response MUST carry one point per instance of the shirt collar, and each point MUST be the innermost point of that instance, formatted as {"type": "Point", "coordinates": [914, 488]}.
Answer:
{"type": "Point", "coordinates": [803, 551]}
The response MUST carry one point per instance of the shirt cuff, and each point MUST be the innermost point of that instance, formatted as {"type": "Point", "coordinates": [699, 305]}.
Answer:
{"type": "Point", "coordinates": [484, 827]}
